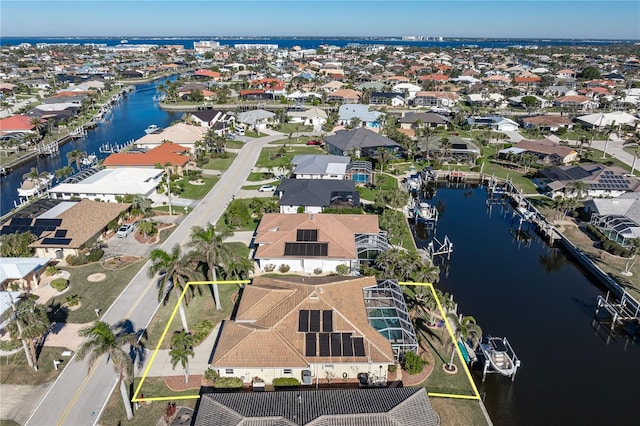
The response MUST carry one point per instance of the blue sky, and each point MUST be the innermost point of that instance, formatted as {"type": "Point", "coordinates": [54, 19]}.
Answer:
{"type": "Point", "coordinates": [477, 18]}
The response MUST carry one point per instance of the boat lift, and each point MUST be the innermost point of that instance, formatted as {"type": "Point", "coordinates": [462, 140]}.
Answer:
{"type": "Point", "coordinates": [625, 311]}
{"type": "Point", "coordinates": [442, 248]}
{"type": "Point", "coordinates": [504, 349]}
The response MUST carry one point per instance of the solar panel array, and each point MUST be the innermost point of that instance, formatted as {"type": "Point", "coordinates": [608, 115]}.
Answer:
{"type": "Point", "coordinates": [306, 249]}
{"type": "Point", "coordinates": [19, 225]}
{"type": "Point", "coordinates": [307, 235]}
{"type": "Point", "coordinates": [326, 343]}
{"type": "Point", "coordinates": [611, 181]}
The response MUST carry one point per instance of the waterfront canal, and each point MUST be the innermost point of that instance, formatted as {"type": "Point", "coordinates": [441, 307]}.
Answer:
{"type": "Point", "coordinates": [127, 121]}
{"type": "Point", "coordinates": [544, 304]}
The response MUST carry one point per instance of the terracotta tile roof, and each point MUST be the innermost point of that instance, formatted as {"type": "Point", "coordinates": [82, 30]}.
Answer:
{"type": "Point", "coordinates": [167, 152]}
{"type": "Point", "coordinates": [16, 122]}
{"type": "Point", "coordinates": [527, 79]}
{"type": "Point", "coordinates": [434, 77]}
{"type": "Point", "coordinates": [439, 95]}
{"type": "Point", "coordinates": [573, 98]}
{"type": "Point", "coordinates": [251, 92]}
{"type": "Point", "coordinates": [346, 93]}
{"type": "Point", "coordinates": [265, 332]}
{"type": "Point", "coordinates": [549, 120]}
{"type": "Point", "coordinates": [208, 73]}
{"type": "Point", "coordinates": [276, 229]}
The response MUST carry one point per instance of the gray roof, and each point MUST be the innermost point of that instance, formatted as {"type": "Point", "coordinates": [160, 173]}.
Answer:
{"type": "Point", "coordinates": [335, 407]}
{"type": "Point", "coordinates": [425, 117]}
{"type": "Point", "coordinates": [346, 140]}
{"type": "Point", "coordinates": [251, 117]}
{"type": "Point", "coordinates": [320, 164]}
{"type": "Point", "coordinates": [349, 111]}
{"type": "Point", "coordinates": [315, 192]}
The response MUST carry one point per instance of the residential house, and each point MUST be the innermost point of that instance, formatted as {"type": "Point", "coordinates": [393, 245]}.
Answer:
{"type": "Point", "coordinates": [428, 119]}
{"type": "Point", "coordinates": [350, 113]}
{"type": "Point", "coordinates": [164, 154]}
{"type": "Point", "coordinates": [388, 406]}
{"type": "Point", "coordinates": [316, 195]}
{"type": "Point", "coordinates": [618, 218]}
{"type": "Point", "coordinates": [458, 149]}
{"type": "Point", "coordinates": [333, 167]}
{"type": "Point", "coordinates": [436, 99]}
{"type": "Point", "coordinates": [344, 96]}
{"type": "Point", "coordinates": [179, 133]}
{"type": "Point", "coordinates": [21, 273]}
{"type": "Point", "coordinates": [541, 103]}
{"type": "Point", "coordinates": [496, 123]}
{"type": "Point", "coordinates": [315, 117]}
{"type": "Point", "coordinates": [207, 74]}
{"type": "Point", "coordinates": [549, 123]}
{"type": "Point", "coordinates": [576, 102]}
{"type": "Point", "coordinates": [362, 141]}
{"type": "Point", "coordinates": [548, 152]}
{"type": "Point", "coordinates": [312, 329]}
{"type": "Point", "coordinates": [387, 98]}
{"type": "Point", "coordinates": [66, 228]}
{"type": "Point", "coordinates": [409, 89]}
{"type": "Point", "coordinates": [16, 124]}
{"type": "Point", "coordinates": [256, 119]}
{"type": "Point", "coordinates": [601, 120]}
{"type": "Point", "coordinates": [599, 180]}
{"type": "Point", "coordinates": [107, 184]}
{"type": "Point", "coordinates": [219, 121]}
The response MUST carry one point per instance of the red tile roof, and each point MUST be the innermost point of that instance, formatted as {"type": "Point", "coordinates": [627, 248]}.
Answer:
{"type": "Point", "coordinates": [167, 152]}
{"type": "Point", "coordinates": [434, 77]}
{"type": "Point", "coordinates": [16, 122]}
{"type": "Point", "coordinates": [208, 73]}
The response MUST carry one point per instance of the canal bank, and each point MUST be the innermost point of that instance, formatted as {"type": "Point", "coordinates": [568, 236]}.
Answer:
{"type": "Point", "coordinates": [515, 285]}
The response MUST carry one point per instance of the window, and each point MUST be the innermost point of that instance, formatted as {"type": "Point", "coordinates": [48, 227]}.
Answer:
{"type": "Point", "coordinates": [228, 371]}
{"type": "Point", "coordinates": [287, 371]}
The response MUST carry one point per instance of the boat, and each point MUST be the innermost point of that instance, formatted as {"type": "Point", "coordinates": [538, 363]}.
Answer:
{"type": "Point", "coordinates": [425, 211]}
{"type": "Point", "coordinates": [89, 160]}
{"type": "Point", "coordinates": [152, 129]}
{"type": "Point", "coordinates": [499, 353]}
{"type": "Point", "coordinates": [35, 186]}
{"type": "Point", "coordinates": [124, 40]}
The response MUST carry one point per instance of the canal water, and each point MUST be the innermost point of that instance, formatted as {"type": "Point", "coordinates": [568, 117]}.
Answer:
{"type": "Point", "coordinates": [129, 118]}
{"type": "Point", "coordinates": [537, 297]}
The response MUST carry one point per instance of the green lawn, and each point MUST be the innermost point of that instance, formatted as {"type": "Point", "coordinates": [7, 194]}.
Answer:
{"type": "Point", "coordinates": [220, 163]}
{"type": "Point", "coordinates": [268, 155]}
{"type": "Point", "coordinates": [257, 177]}
{"type": "Point", "coordinates": [181, 210]}
{"type": "Point", "coordinates": [301, 140]}
{"type": "Point", "coordinates": [383, 182]}
{"type": "Point", "coordinates": [233, 144]}
{"type": "Point", "coordinates": [197, 192]}
{"type": "Point", "coordinates": [294, 128]}
{"type": "Point", "coordinates": [454, 412]}
{"type": "Point", "coordinates": [16, 371]}
{"type": "Point", "coordinates": [254, 187]}
{"type": "Point", "coordinates": [251, 134]}
{"type": "Point", "coordinates": [523, 183]}
{"type": "Point", "coordinates": [93, 295]}
{"type": "Point", "coordinates": [147, 414]}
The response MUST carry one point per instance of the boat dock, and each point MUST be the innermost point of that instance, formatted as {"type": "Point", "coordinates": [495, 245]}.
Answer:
{"type": "Point", "coordinates": [624, 311]}
{"type": "Point", "coordinates": [498, 356]}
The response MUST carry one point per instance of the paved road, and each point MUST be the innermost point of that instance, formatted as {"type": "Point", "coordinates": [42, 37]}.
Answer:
{"type": "Point", "coordinates": [77, 398]}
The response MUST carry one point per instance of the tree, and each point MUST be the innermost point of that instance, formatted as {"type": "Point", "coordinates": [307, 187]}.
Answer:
{"type": "Point", "coordinates": [34, 175]}
{"type": "Point", "coordinates": [445, 146]}
{"type": "Point", "coordinates": [37, 125]}
{"type": "Point", "coordinates": [27, 321]}
{"type": "Point", "coordinates": [181, 349]}
{"type": "Point", "coordinates": [589, 73]}
{"type": "Point", "coordinates": [63, 172]}
{"type": "Point", "coordinates": [465, 329]}
{"type": "Point", "coordinates": [103, 339]}
{"type": "Point", "coordinates": [176, 269]}
{"type": "Point", "coordinates": [76, 156]}
{"type": "Point", "coordinates": [579, 187]}
{"type": "Point", "coordinates": [529, 102]}
{"type": "Point", "coordinates": [383, 156]}
{"type": "Point", "coordinates": [140, 204]}
{"type": "Point", "coordinates": [634, 250]}
{"type": "Point", "coordinates": [148, 227]}
{"type": "Point", "coordinates": [16, 245]}
{"type": "Point", "coordinates": [610, 129]}
{"type": "Point", "coordinates": [211, 249]}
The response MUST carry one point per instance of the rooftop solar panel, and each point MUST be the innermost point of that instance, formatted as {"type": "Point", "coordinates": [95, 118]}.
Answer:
{"type": "Point", "coordinates": [314, 321]}
{"type": "Point", "coordinates": [61, 233]}
{"type": "Point", "coordinates": [48, 222]}
{"type": "Point", "coordinates": [310, 344]}
{"type": "Point", "coordinates": [327, 321]}
{"type": "Point", "coordinates": [303, 321]}
{"type": "Point", "coordinates": [358, 346]}
{"type": "Point", "coordinates": [347, 344]}
{"type": "Point", "coordinates": [336, 344]}
{"type": "Point", "coordinates": [307, 235]}
{"type": "Point", "coordinates": [21, 221]}
{"type": "Point", "coordinates": [57, 241]}
{"type": "Point", "coordinates": [323, 340]}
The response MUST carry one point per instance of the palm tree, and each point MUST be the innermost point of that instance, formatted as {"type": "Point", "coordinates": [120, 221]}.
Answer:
{"type": "Point", "coordinates": [383, 156]}
{"type": "Point", "coordinates": [464, 328]}
{"type": "Point", "coordinates": [103, 339]}
{"type": "Point", "coordinates": [63, 172]}
{"type": "Point", "coordinates": [76, 156]}
{"type": "Point", "coordinates": [34, 175]}
{"type": "Point", "coordinates": [27, 321]}
{"type": "Point", "coordinates": [211, 249]}
{"type": "Point", "coordinates": [579, 187]}
{"type": "Point", "coordinates": [181, 349]}
{"type": "Point", "coordinates": [141, 204]}
{"type": "Point", "coordinates": [610, 129]}
{"type": "Point", "coordinates": [445, 146]}
{"type": "Point", "coordinates": [176, 269]}
{"type": "Point", "coordinates": [148, 227]}
{"type": "Point", "coordinates": [38, 125]}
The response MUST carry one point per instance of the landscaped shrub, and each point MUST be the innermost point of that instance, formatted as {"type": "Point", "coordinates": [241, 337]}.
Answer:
{"type": "Point", "coordinates": [608, 245]}
{"type": "Point", "coordinates": [73, 300]}
{"type": "Point", "coordinates": [59, 284]}
{"type": "Point", "coordinates": [210, 374]}
{"type": "Point", "coordinates": [95, 255]}
{"type": "Point", "coordinates": [9, 345]}
{"type": "Point", "coordinates": [269, 268]}
{"type": "Point", "coordinates": [72, 260]}
{"type": "Point", "coordinates": [413, 364]}
{"type": "Point", "coordinates": [286, 381]}
{"type": "Point", "coordinates": [284, 268]}
{"type": "Point", "coordinates": [228, 383]}
{"type": "Point", "coordinates": [52, 270]}
{"type": "Point", "coordinates": [342, 270]}
{"type": "Point", "coordinates": [317, 271]}
{"type": "Point", "coordinates": [393, 368]}
{"type": "Point", "coordinates": [201, 330]}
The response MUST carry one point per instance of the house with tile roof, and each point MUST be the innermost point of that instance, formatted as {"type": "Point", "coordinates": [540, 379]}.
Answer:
{"type": "Point", "coordinates": [310, 328]}
{"type": "Point", "coordinates": [550, 123]}
{"type": "Point", "coordinates": [344, 96]}
{"type": "Point", "coordinates": [548, 152]}
{"type": "Point", "coordinates": [306, 242]}
{"type": "Point", "coordinates": [599, 180]}
{"type": "Point", "coordinates": [577, 102]}
{"type": "Point", "coordinates": [218, 120]}
{"type": "Point", "coordinates": [180, 133]}
{"type": "Point", "coordinates": [16, 124]}
{"type": "Point", "coordinates": [347, 407]}
{"type": "Point", "coordinates": [164, 154]}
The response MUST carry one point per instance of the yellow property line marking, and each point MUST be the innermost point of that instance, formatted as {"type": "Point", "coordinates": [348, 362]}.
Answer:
{"type": "Point", "coordinates": [455, 343]}
{"type": "Point", "coordinates": [164, 333]}
{"type": "Point", "coordinates": [79, 391]}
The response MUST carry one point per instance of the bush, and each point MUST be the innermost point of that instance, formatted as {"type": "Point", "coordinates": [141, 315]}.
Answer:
{"type": "Point", "coordinates": [284, 268]}
{"type": "Point", "coordinates": [52, 270]}
{"type": "Point", "coordinates": [210, 374]}
{"type": "Point", "coordinates": [413, 364]}
{"type": "Point", "coordinates": [59, 284]}
{"type": "Point", "coordinates": [269, 268]}
{"type": "Point", "coordinates": [73, 300]}
{"type": "Point", "coordinates": [228, 383]}
{"type": "Point", "coordinates": [608, 245]}
{"type": "Point", "coordinates": [342, 270]}
{"type": "Point", "coordinates": [317, 271]}
{"type": "Point", "coordinates": [393, 368]}
{"type": "Point", "coordinates": [286, 381]}
{"type": "Point", "coordinates": [77, 260]}
{"type": "Point", "coordinates": [201, 330]}
{"type": "Point", "coordinates": [95, 255]}
{"type": "Point", "coordinates": [9, 345]}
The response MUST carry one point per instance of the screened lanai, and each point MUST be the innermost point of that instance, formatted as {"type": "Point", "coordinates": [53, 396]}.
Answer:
{"type": "Point", "coordinates": [387, 313]}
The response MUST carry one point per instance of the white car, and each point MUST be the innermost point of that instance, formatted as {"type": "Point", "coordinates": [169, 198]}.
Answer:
{"type": "Point", "coordinates": [267, 188]}
{"type": "Point", "coordinates": [125, 230]}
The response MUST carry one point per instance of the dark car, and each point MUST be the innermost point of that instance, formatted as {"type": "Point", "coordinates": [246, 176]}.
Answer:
{"type": "Point", "coordinates": [314, 142]}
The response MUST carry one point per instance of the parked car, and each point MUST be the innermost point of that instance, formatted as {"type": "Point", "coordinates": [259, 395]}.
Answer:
{"type": "Point", "coordinates": [314, 142]}
{"type": "Point", "coordinates": [267, 188]}
{"type": "Point", "coordinates": [125, 230]}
